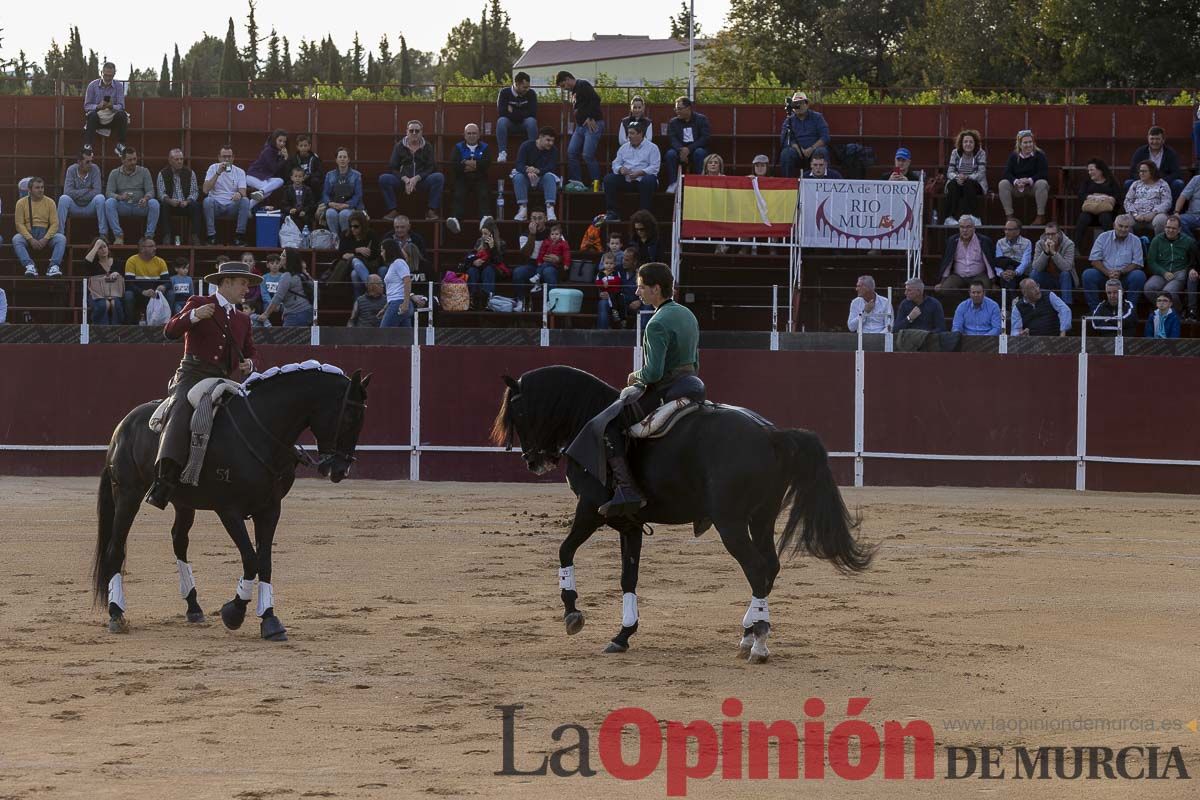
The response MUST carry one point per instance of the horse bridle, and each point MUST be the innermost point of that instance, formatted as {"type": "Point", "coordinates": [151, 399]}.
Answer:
{"type": "Point", "coordinates": [302, 455]}
{"type": "Point", "coordinates": [541, 452]}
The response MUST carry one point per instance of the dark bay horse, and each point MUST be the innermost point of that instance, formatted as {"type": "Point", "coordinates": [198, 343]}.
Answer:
{"type": "Point", "coordinates": [716, 466]}
{"type": "Point", "coordinates": [249, 468]}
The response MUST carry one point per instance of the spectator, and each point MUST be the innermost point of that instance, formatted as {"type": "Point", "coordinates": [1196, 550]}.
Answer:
{"type": "Point", "coordinates": [589, 126]}
{"type": "Point", "coordinates": [106, 286]}
{"type": "Point", "coordinates": [804, 133]}
{"type": "Point", "coordinates": [870, 311]}
{"type": "Point", "coordinates": [256, 320]}
{"type": "Point", "coordinates": [1188, 207]}
{"type": "Point", "coordinates": [608, 283]}
{"type": "Point", "coordinates": [307, 160]}
{"type": "Point", "coordinates": [291, 295]}
{"type": "Point", "coordinates": [616, 246]}
{"type": "Point", "coordinates": [918, 311]}
{"type": "Point", "coordinates": [629, 267]}
{"type": "Point", "coordinates": [486, 263]}
{"type": "Point", "coordinates": [978, 315]}
{"type": "Point", "coordinates": [269, 172]}
{"type": "Point", "coordinates": [412, 166]}
{"type": "Point", "coordinates": [969, 256]}
{"type": "Point", "coordinates": [645, 236]}
{"type": "Point", "coordinates": [130, 193]}
{"type": "Point", "coordinates": [516, 107]}
{"type": "Point", "coordinates": [637, 113]}
{"type": "Point", "coordinates": [966, 177]}
{"type": "Point", "coordinates": [1026, 173]}
{"type": "Point", "coordinates": [1038, 314]}
{"type": "Point", "coordinates": [341, 195]}
{"type": "Point", "coordinates": [83, 193]}
{"type": "Point", "coordinates": [818, 166]}
{"type": "Point", "coordinates": [1097, 199]}
{"type": "Point", "coordinates": [403, 233]}
{"type": "Point", "coordinates": [358, 252]}
{"type": "Point", "coordinates": [145, 274]}
{"type": "Point", "coordinates": [3, 307]}
{"type": "Point", "coordinates": [179, 196]}
{"type": "Point", "coordinates": [181, 285]}
{"type": "Point", "coordinates": [531, 245]}
{"type": "Point", "coordinates": [299, 202]}
{"type": "Point", "coordinates": [1115, 313]}
{"type": "Point", "coordinates": [254, 296]}
{"type": "Point", "coordinates": [901, 167]}
{"type": "Point", "coordinates": [760, 167]}
{"type": "Point", "coordinates": [1148, 200]}
{"type": "Point", "coordinates": [556, 254]}
{"type": "Point", "coordinates": [225, 196]}
{"type": "Point", "coordinates": [1116, 255]}
{"type": "Point", "coordinates": [635, 168]}
{"type": "Point", "coordinates": [1164, 158]}
{"type": "Point", "coordinates": [1164, 322]}
{"type": "Point", "coordinates": [1171, 254]}
{"type": "Point", "coordinates": [36, 220]}
{"type": "Point", "coordinates": [1055, 248]}
{"type": "Point", "coordinates": [367, 311]}
{"type": "Point", "coordinates": [714, 165]}
{"type": "Point", "coordinates": [1013, 255]}
{"type": "Point", "coordinates": [470, 164]}
{"type": "Point", "coordinates": [537, 165]}
{"type": "Point", "coordinates": [270, 281]}
{"type": "Point", "coordinates": [398, 282]}
{"type": "Point", "coordinates": [688, 133]}
{"type": "Point", "coordinates": [104, 107]}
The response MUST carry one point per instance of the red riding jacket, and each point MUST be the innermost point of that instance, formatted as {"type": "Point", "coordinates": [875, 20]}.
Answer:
{"type": "Point", "coordinates": [221, 340]}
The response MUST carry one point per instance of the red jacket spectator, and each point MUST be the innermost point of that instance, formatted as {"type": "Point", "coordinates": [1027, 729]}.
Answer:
{"type": "Point", "coordinates": [609, 283]}
{"type": "Point", "coordinates": [552, 247]}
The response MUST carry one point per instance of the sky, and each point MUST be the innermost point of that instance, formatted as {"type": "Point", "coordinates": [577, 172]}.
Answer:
{"type": "Point", "coordinates": [139, 31]}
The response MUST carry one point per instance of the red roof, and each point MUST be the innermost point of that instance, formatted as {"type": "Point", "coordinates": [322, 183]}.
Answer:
{"type": "Point", "coordinates": [570, 51]}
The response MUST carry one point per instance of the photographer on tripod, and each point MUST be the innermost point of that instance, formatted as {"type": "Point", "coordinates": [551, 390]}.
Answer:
{"type": "Point", "coordinates": [804, 133]}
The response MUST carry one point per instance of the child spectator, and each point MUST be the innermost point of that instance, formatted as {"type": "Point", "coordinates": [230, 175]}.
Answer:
{"type": "Point", "coordinates": [307, 160]}
{"type": "Point", "coordinates": [1164, 322]}
{"type": "Point", "coordinates": [616, 246]}
{"type": "Point", "coordinates": [270, 280]}
{"type": "Point", "coordinates": [554, 252]}
{"type": "Point", "coordinates": [256, 320]}
{"type": "Point", "coordinates": [254, 296]}
{"type": "Point", "coordinates": [609, 307]}
{"type": "Point", "coordinates": [181, 285]}
{"type": "Point", "coordinates": [299, 202]}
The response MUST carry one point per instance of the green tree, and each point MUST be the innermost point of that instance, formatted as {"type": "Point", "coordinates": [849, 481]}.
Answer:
{"type": "Point", "coordinates": [202, 65]}
{"type": "Point", "coordinates": [354, 62]}
{"type": "Point", "coordinates": [164, 79]}
{"type": "Point", "coordinates": [384, 60]}
{"type": "Point", "coordinates": [289, 69]}
{"type": "Point", "coordinates": [250, 58]}
{"type": "Point", "coordinates": [406, 71]}
{"type": "Point", "coordinates": [142, 83]}
{"type": "Point", "coordinates": [679, 23]}
{"type": "Point", "coordinates": [232, 77]}
{"type": "Point", "coordinates": [273, 71]}
{"type": "Point", "coordinates": [176, 74]}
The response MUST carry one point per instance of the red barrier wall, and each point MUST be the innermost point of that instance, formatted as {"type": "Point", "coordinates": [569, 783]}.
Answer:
{"type": "Point", "coordinates": [915, 403]}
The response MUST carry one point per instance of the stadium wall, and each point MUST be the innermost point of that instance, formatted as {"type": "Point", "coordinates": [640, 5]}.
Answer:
{"type": "Point", "coordinates": [916, 419]}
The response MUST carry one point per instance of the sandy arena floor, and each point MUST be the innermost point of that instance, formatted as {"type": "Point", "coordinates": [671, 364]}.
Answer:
{"type": "Point", "coordinates": [415, 609]}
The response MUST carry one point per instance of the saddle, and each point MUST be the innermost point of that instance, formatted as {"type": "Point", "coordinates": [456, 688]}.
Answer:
{"type": "Point", "coordinates": [205, 398]}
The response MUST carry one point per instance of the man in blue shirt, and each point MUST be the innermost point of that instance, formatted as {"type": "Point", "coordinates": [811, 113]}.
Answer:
{"type": "Point", "coordinates": [804, 133]}
{"type": "Point", "coordinates": [979, 315]}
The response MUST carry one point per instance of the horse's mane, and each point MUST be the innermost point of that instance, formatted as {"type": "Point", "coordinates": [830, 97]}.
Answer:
{"type": "Point", "coordinates": [559, 401]}
{"type": "Point", "coordinates": [258, 378]}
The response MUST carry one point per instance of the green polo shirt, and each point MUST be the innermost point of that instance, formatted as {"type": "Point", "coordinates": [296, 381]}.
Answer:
{"type": "Point", "coordinates": [671, 340]}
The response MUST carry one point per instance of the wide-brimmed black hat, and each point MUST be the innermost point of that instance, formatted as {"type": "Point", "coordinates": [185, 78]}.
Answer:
{"type": "Point", "coordinates": [233, 269]}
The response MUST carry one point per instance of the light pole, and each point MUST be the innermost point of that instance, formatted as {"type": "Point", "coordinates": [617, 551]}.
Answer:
{"type": "Point", "coordinates": [692, 50]}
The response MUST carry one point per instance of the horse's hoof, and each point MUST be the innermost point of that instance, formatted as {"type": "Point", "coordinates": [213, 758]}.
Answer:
{"type": "Point", "coordinates": [233, 615]}
{"type": "Point", "coordinates": [118, 625]}
{"type": "Point", "coordinates": [272, 629]}
{"type": "Point", "coordinates": [195, 616]}
{"type": "Point", "coordinates": [574, 622]}
{"type": "Point", "coordinates": [746, 643]}
{"type": "Point", "coordinates": [757, 657]}
{"type": "Point", "coordinates": [614, 647]}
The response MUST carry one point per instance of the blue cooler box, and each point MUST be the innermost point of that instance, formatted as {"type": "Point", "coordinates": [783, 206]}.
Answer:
{"type": "Point", "coordinates": [564, 301]}
{"type": "Point", "coordinates": [266, 228]}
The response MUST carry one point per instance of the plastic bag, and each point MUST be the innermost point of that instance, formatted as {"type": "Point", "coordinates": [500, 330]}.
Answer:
{"type": "Point", "coordinates": [158, 310]}
{"type": "Point", "coordinates": [289, 234]}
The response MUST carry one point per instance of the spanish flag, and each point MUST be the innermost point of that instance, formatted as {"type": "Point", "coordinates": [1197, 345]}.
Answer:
{"type": "Point", "coordinates": [732, 206]}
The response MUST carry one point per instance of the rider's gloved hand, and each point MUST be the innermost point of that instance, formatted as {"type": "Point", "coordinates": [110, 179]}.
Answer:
{"type": "Point", "coordinates": [636, 388]}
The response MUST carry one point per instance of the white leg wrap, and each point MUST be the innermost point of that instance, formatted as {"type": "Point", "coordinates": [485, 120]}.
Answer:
{"type": "Point", "coordinates": [757, 611]}
{"type": "Point", "coordinates": [186, 581]}
{"type": "Point", "coordinates": [566, 578]}
{"type": "Point", "coordinates": [245, 589]}
{"type": "Point", "coordinates": [266, 598]}
{"type": "Point", "coordinates": [629, 615]}
{"type": "Point", "coordinates": [116, 591]}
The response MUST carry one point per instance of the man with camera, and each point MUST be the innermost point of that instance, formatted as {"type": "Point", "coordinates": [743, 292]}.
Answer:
{"type": "Point", "coordinates": [225, 196]}
{"type": "Point", "coordinates": [804, 133]}
{"type": "Point", "coordinates": [104, 107]}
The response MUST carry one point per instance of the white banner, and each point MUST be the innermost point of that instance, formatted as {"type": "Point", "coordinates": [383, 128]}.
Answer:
{"type": "Point", "coordinates": [860, 215]}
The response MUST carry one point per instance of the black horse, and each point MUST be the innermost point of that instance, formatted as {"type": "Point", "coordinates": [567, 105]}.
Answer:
{"type": "Point", "coordinates": [718, 466]}
{"type": "Point", "coordinates": [249, 467]}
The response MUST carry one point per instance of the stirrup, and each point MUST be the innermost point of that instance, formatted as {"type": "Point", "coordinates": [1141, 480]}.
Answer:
{"type": "Point", "coordinates": [160, 494]}
{"type": "Point", "coordinates": [622, 505]}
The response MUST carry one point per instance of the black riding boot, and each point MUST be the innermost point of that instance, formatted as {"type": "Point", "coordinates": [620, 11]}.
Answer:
{"type": "Point", "coordinates": [627, 498]}
{"type": "Point", "coordinates": [168, 478]}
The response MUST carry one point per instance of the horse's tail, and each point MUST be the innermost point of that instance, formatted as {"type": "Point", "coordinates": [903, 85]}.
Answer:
{"type": "Point", "coordinates": [105, 513]}
{"type": "Point", "coordinates": [827, 529]}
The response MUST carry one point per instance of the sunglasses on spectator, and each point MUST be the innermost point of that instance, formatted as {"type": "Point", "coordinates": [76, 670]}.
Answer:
{"type": "Point", "coordinates": [1024, 133]}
